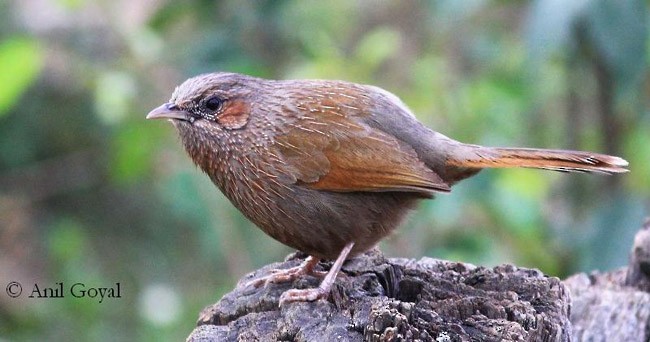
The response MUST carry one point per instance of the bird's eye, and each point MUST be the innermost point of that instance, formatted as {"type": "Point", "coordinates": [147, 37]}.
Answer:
{"type": "Point", "coordinates": [213, 104]}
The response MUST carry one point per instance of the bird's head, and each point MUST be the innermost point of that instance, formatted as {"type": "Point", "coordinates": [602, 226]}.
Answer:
{"type": "Point", "coordinates": [217, 101]}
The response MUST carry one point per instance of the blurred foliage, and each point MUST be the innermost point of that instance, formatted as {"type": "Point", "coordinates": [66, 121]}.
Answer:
{"type": "Point", "coordinates": [20, 63]}
{"type": "Point", "coordinates": [90, 192]}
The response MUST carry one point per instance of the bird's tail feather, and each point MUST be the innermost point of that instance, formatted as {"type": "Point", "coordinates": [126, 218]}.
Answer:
{"type": "Point", "coordinates": [558, 160]}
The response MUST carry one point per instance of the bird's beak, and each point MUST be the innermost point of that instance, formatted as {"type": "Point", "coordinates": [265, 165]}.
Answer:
{"type": "Point", "coordinates": [168, 111]}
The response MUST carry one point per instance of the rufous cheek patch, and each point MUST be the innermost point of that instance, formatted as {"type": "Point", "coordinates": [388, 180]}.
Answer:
{"type": "Point", "coordinates": [234, 115]}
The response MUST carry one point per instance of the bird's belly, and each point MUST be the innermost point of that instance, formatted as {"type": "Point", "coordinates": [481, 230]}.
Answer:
{"type": "Point", "coordinates": [321, 223]}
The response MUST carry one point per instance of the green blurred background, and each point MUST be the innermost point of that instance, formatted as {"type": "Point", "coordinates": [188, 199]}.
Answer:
{"type": "Point", "coordinates": [91, 192]}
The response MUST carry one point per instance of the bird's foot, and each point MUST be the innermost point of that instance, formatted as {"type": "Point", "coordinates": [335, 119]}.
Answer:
{"type": "Point", "coordinates": [310, 295]}
{"type": "Point", "coordinates": [289, 274]}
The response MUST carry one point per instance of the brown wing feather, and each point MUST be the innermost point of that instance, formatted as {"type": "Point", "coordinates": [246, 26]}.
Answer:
{"type": "Point", "coordinates": [377, 163]}
{"type": "Point", "coordinates": [333, 150]}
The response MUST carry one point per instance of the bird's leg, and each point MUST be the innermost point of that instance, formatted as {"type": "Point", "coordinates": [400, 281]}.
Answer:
{"type": "Point", "coordinates": [310, 295]}
{"type": "Point", "coordinates": [280, 276]}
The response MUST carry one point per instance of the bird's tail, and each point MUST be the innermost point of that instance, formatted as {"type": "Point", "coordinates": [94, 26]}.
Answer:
{"type": "Point", "coordinates": [479, 157]}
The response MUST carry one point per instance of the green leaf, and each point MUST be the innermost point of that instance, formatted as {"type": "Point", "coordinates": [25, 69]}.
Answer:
{"type": "Point", "coordinates": [132, 152]}
{"type": "Point", "coordinates": [21, 60]}
{"type": "Point", "coordinates": [66, 240]}
{"type": "Point", "coordinates": [377, 46]}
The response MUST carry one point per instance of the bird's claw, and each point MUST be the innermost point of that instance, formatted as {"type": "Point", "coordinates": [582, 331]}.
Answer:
{"type": "Point", "coordinates": [289, 274]}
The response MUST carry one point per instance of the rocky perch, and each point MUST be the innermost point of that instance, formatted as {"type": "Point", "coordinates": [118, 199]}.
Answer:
{"type": "Point", "coordinates": [391, 299]}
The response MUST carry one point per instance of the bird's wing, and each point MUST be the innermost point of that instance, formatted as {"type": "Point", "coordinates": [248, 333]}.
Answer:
{"type": "Point", "coordinates": [334, 150]}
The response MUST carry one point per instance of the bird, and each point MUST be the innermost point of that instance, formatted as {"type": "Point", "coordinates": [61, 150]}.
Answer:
{"type": "Point", "coordinates": [330, 167]}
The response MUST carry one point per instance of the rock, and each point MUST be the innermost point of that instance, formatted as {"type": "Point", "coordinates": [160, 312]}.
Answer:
{"type": "Point", "coordinates": [614, 306]}
{"type": "Point", "coordinates": [386, 299]}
